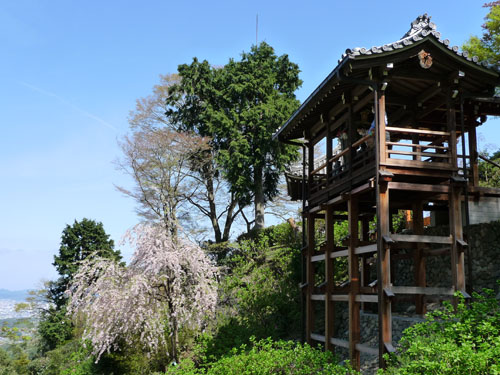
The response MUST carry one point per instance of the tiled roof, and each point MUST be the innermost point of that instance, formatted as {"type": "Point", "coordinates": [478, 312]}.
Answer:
{"type": "Point", "coordinates": [420, 28]}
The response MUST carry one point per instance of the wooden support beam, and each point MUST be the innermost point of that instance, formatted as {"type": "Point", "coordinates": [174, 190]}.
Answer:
{"type": "Point", "coordinates": [366, 249]}
{"type": "Point", "coordinates": [339, 253]}
{"type": "Point", "coordinates": [340, 297]}
{"type": "Point", "coordinates": [419, 187]}
{"type": "Point", "coordinates": [456, 232]}
{"type": "Point", "coordinates": [418, 258]}
{"type": "Point", "coordinates": [429, 291]}
{"type": "Point", "coordinates": [316, 337]}
{"type": "Point", "coordinates": [329, 277]}
{"type": "Point", "coordinates": [383, 250]}
{"type": "Point", "coordinates": [366, 348]}
{"type": "Point", "coordinates": [339, 342]}
{"type": "Point", "coordinates": [318, 297]}
{"type": "Point", "coordinates": [310, 278]}
{"type": "Point", "coordinates": [372, 298]}
{"type": "Point", "coordinates": [474, 176]}
{"type": "Point", "coordinates": [318, 258]}
{"type": "Point", "coordinates": [457, 257]}
{"type": "Point", "coordinates": [422, 239]}
{"type": "Point", "coordinates": [354, 278]}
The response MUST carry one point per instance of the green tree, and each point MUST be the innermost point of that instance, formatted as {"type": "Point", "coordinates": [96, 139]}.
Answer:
{"type": "Point", "coordinates": [239, 106]}
{"type": "Point", "coordinates": [487, 47]}
{"type": "Point", "coordinates": [489, 174]}
{"type": "Point", "coordinates": [79, 241]}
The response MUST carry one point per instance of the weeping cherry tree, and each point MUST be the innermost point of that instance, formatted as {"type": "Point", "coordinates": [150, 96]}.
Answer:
{"type": "Point", "coordinates": [168, 286]}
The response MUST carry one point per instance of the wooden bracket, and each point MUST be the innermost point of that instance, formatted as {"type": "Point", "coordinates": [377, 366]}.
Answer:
{"type": "Point", "coordinates": [465, 294]}
{"type": "Point", "coordinates": [373, 284]}
{"type": "Point", "coordinates": [389, 293]}
{"type": "Point", "coordinates": [457, 180]}
{"type": "Point", "coordinates": [462, 243]}
{"type": "Point", "coordinates": [388, 240]}
{"type": "Point", "coordinates": [389, 348]}
{"type": "Point", "coordinates": [385, 176]}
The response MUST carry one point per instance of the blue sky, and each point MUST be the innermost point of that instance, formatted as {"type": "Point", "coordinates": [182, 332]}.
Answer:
{"type": "Point", "coordinates": [71, 72]}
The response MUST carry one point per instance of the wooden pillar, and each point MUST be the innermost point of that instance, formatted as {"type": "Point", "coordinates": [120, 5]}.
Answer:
{"type": "Point", "coordinates": [474, 175]}
{"type": "Point", "coordinates": [418, 258]}
{"type": "Point", "coordinates": [456, 231]}
{"type": "Point", "coordinates": [365, 268]}
{"type": "Point", "coordinates": [310, 277]}
{"type": "Point", "coordinates": [455, 207]}
{"type": "Point", "coordinates": [329, 153]}
{"type": "Point", "coordinates": [383, 250]}
{"type": "Point", "coordinates": [452, 128]}
{"type": "Point", "coordinates": [382, 149]}
{"type": "Point", "coordinates": [310, 166]}
{"type": "Point", "coordinates": [329, 271]}
{"type": "Point", "coordinates": [354, 278]}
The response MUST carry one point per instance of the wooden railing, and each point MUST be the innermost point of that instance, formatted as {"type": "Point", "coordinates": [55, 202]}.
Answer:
{"type": "Point", "coordinates": [416, 154]}
{"type": "Point", "coordinates": [337, 156]}
{"type": "Point", "coordinates": [321, 179]}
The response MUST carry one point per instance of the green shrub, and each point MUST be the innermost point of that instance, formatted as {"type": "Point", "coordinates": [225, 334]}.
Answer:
{"type": "Point", "coordinates": [268, 357]}
{"type": "Point", "coordinates": [465, 341]}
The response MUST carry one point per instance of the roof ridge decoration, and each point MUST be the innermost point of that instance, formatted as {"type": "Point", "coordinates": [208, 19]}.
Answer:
{"type": "Point", "coordinates": [420, 28]}
{"type": "Point", "coordinates": [420, 24]}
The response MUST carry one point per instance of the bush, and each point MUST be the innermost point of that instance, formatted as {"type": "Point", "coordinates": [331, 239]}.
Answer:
{"type": "Point", "coordinates": [268, 357]}
{"type": "Point", "coordinates": [465, 341]}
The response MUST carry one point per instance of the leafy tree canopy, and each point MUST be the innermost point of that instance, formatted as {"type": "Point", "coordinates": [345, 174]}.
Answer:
{"type": "Point", "coordinates": [79, 241]}
{"type": "Point", "coordinates": [240, 106]}
{"type": "Point", "coordinates": [487, 47]}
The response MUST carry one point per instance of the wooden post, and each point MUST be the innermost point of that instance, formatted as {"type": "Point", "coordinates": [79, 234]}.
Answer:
{"type": "Point", "coordinates": [310, 278]}
{"type": "Point", "coordinates": [383, 250]}
{"type": "Point", "coordinates": [474, 175]}
{"type": "Point", "coordinates": [365, 268]}
{"type": "Point", "coordinates": [310, 157]}
{"type": "Point", "coordinates": [329, 153]}
{"type": "Point", "coordinates": [418, 258]}
{"type": "Point", "coordinates": [452, 128]}
{"type": "Point", "coordinates": [354, 278]}
{"type": "Point", "coordinates": [382, 150]}
{"type": "Point", "coordinates": [329, 278]}
{"type": "Point", "coordinates": [455, 208]}
{"type": "Point", "coordinates": [456, 231]}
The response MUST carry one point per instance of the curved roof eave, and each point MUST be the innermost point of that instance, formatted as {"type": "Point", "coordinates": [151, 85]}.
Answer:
{"type": "Point", "coordinates": [422, 30]}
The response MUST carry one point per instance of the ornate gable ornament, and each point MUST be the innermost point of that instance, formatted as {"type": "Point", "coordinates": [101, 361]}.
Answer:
{"type": "Point", "coordinates": [420, 24]}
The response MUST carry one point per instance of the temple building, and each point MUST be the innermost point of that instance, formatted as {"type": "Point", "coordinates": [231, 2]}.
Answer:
{"type": "Point", "coordinates": [392, 128]}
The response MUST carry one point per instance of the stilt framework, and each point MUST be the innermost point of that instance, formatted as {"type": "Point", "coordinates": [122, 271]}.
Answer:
{"type": "Point", "coordinates": [387, 121]}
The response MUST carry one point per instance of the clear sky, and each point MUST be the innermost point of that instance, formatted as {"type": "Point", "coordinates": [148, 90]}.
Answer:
{"type": "Point", "coordinates": [71, 70]}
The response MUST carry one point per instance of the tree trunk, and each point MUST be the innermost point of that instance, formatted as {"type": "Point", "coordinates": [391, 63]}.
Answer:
{"type": "Point", "coordinates": [209, 184]}
{"type": "Point", "coordinates": [229, 219]}
{"type": "Point", "coordinates": [259, 199]}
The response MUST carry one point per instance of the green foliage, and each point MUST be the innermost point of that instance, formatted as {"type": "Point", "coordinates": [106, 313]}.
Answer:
{"type": "Point", "coordinates": [488, 46]}
{"type": "Point", "coordinates": [465, 341]}
{"type": "Point", "coordinates": [54, 328]}
{"type": "Point", "coordinates": [81, 240]}
{"type": "Point", "coordinates": [259, 293]}
{"type": "Point", "coordinates": [239, 106]}
{"type": "Point", "coordinates": [489, 175]}
{"type": "Point", "coordinates": [267, 357]}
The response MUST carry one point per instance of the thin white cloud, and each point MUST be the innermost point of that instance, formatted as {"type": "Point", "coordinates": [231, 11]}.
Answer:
{"type": "Point", "coordinates": [69, 104]}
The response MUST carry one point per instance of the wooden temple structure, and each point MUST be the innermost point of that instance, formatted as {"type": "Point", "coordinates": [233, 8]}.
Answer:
{"type": "Point", "coordinates": [397, 125]}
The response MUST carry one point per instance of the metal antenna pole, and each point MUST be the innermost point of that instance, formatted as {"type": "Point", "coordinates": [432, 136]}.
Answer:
{"type": "Point", "coordinates": [256, 29]}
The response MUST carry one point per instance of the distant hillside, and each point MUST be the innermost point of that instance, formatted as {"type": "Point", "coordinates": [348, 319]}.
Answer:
{"type": "Point", "coordinates": [16, 295]}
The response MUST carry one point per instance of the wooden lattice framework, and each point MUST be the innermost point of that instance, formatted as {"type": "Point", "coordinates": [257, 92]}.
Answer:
{"type": "Point", "coordinates": [426, 96]}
